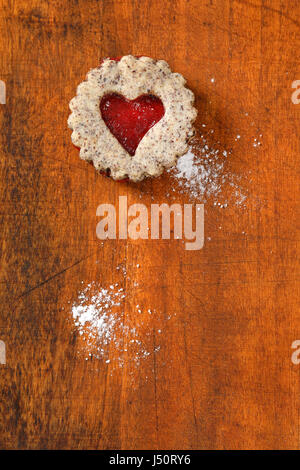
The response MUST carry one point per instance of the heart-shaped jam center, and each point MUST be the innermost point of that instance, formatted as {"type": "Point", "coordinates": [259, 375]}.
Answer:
{"type": "Point", "coordinates": [130, 120]}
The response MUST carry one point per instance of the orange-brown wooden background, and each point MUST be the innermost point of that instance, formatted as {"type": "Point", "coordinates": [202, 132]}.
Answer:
{"type": "Point", "coordinates": [219, 375]}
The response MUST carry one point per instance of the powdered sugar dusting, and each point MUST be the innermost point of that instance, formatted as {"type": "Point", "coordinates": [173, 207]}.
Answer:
{"type": "Point", "coordinates": [107, 335]}
{"type": "Point", "coordinates": [203, 174]}
{"type": "Point", "coordinates": [200, 178]}
{"type": "Point", "coordinates": [93, 311]}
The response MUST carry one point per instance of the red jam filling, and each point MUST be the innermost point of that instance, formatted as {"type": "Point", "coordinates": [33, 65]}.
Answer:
{"type": "Point", "coordinates": [130, 120]}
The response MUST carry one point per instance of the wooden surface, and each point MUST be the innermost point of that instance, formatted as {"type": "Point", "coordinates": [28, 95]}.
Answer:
{"type": "Point", "coordinates": [218, 374]}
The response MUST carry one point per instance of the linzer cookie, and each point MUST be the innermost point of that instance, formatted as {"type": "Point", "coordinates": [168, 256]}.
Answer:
{"type": "Point", "coordinates": [132, 117]}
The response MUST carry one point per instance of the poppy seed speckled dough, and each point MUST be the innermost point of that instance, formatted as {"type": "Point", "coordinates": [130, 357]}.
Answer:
{"type": "Point", "coordinates": [162, 144]}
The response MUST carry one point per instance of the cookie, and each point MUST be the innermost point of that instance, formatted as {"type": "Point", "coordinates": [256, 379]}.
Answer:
{"type": "Point", "coordinates": [132, 117]}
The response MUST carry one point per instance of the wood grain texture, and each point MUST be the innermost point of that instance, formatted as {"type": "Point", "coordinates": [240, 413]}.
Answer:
{"type": "Point", "coordinates": [223, 376]}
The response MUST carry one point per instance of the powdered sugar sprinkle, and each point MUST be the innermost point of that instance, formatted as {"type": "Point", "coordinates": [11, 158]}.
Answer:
{"type": "Point", "coordinates": [106, 334]}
